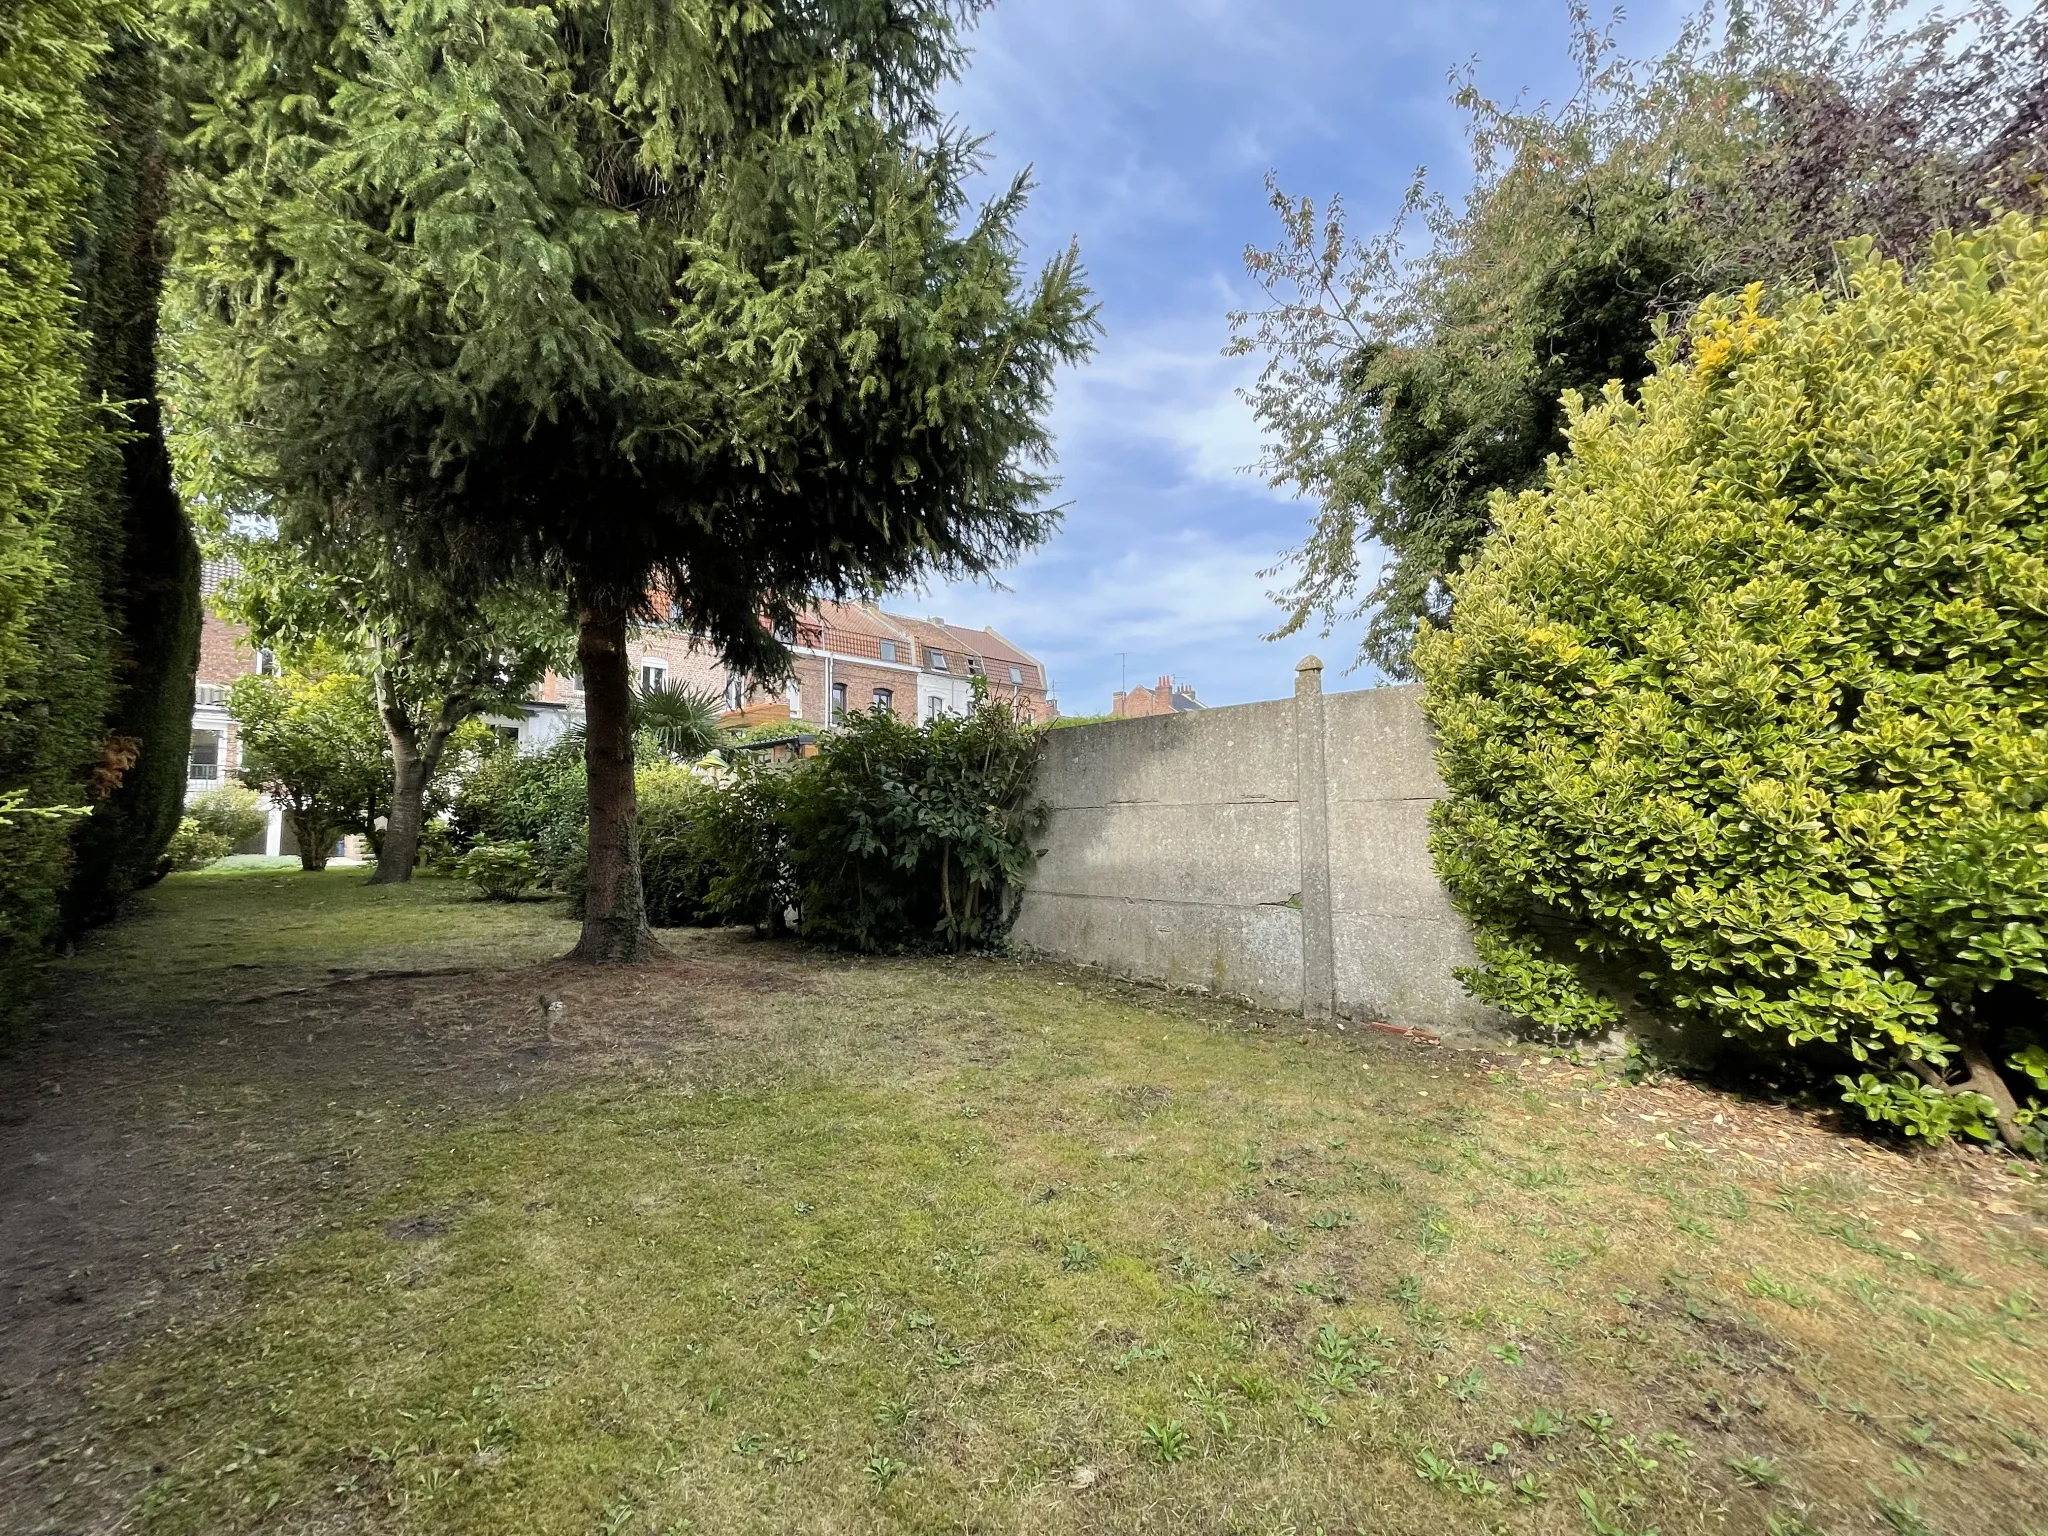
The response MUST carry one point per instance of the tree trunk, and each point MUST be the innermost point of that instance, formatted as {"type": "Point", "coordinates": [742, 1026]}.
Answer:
{"type": "Point", "coordinates": [615, 930]}
{"type": "Point", "coordinates": [400, 848]}
{"type": "Point", "coordinates": [316, 842]}
{"type": "Point", "coordinates": [1984, 1078]}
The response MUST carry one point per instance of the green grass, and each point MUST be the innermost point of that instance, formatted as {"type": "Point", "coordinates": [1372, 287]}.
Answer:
{"type": "Point", "coordinates": [941, 1246]}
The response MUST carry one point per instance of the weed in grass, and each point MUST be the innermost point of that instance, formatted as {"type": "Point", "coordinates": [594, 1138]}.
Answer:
{"type": "Point", "coordinates": [1589, 1506]}
{"type": "Point", "coordinates": [1763, 1285]}
{"type": "Point", "coordinates": [1330, 1221]}
{"type": "Point", "coordinates": [1167, 1442]}
{"type": "Point", "coordinates": [917, 1320]}
{"type": "Point", "coordinates": [1464, 1387]}
{"type": "Point", "coordinates": [1434, 1469]}
{"type": "Point", "coordinates": [1509, 1353]}
{"type": "Point", "coordinates": [1529, 1488]}
{"type": "Point", "coordinates": [894, 1412]}
{"type": "Point", "coordinates": [1902, 1516]}
{"type": "Point", "coordinates": [1139, 1354]}
{"type": "Point", "coordinates": [1315, 1413]}
{"type": "Point", "coordinates": [1078, 1256]}
{"type": "Point", "coordinates": [1756, 1471]}
{"type": "Point", "coordinates": [1247, 1261]}
{"type": "Point", "coordinates": [1541, 1424]}
{"type": "Point", "coordinates": [882, 1471]}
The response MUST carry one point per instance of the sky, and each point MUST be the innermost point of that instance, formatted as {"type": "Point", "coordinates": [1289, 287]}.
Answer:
{"type": "Point", "coordinates": [1150, 127]}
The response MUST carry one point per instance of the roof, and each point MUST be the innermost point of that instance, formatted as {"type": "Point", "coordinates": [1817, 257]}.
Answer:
{"type": "Point", "coordinates": [934, 634]}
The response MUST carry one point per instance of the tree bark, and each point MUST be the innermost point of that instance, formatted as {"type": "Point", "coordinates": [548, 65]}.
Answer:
{"type": "Point", "coordinates": [316, 842]}
{"type": "Point", "coordinates": [615, 930]}
{"type": "Point", "coordinates": [399, 851]}
{"type": "Point", "coordinates": [414, 762]}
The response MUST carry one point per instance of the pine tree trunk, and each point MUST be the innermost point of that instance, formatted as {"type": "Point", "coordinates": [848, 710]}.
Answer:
{"type": "Point", "coordinates": [615, 930]}
{"type": "Point", "coordinates": [400, 849]}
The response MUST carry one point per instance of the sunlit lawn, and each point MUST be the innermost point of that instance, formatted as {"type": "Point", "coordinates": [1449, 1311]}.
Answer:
{"type": "Point", "coordinates": [926, 1245]}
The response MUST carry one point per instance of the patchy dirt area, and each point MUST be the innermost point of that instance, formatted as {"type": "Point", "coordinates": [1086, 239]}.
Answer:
{"type": "Point", "coordinates": [154, 1148]}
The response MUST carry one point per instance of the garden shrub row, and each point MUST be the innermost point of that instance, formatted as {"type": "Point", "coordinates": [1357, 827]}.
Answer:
{"type": "Point", "coordinates": [894, 836]}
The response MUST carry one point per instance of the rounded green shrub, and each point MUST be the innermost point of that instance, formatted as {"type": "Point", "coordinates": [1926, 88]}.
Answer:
{"type": "Point", "coordinates": [1747, 708]}
{"type": "Point", "coordinates": [499, 871]}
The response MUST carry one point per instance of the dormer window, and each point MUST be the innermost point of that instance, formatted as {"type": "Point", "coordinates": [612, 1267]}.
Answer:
{"type": "Point", "coordinates": [974, 666]}
{"type": "Point", "coordinates": [888, 650]}
{"type": "Point", "coordinates": [1017, 675]}
{"type": "Point", "coordinates": [937, 659]}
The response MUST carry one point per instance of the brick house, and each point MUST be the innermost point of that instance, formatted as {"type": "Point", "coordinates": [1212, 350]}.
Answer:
{"type": "Point", "coordinates": [224, 655]}
{"type": "Point", "coordinates": [846, 657]}
{"type": "Point", "coordinates": [1166, 698]}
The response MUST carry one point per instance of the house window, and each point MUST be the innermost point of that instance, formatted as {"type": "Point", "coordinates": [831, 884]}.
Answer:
{"type": "Point", "coordinates": [576, 681]}
{"type": "Point", "coordinates": [653, 675]}
{"type": "Point", "coordinates": [204, 762]}
{"type": "Point", "coordinates": [735, 693]}
{"type": "Point", "coordinates": [266, 662]}
{"type": "Point", "coordinates": [208, 695]}
{"type": "Point", "coordinates": [839, 701]}
{"type": "Point", "coordinates": [974, 666]}
{"type": "Point", "coordinates": [1017, 675]}
{"type": "Point", "coordinates": [937, 659]}
{"type": "Point", "coordinates": [934, 707]}
{"type": "Point", "coordinates": [508, 735]}
{"type": "Point", "coordinates": [885, 698]}
{"type": "Point", "coordinates": [888, 650]}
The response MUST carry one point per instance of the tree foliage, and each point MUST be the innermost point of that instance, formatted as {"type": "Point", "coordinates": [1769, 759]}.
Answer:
{"type": "Point", "coordinates": [1410, 375]}
{"type": "Point", "coordinates": [437, 657]}
{"type": "Point", "coordinates": [621, 295]}
{"type": "Point", "coordinates": [1748, 705]}
{"type": "Point", "coordinates": [313, 743]}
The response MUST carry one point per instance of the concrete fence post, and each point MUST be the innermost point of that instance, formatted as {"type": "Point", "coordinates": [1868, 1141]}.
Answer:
{"type": "Point", "coordinates": [1318, 935]}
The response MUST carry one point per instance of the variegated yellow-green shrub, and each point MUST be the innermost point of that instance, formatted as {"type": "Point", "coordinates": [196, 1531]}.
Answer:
{"type": "Point", "coordinates": [1750, 702]}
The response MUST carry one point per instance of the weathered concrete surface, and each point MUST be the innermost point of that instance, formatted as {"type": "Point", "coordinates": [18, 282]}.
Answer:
{"type": "Point", "coordinates": [1277, 852]}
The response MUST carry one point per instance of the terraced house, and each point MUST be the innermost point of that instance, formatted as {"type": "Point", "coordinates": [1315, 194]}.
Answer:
{"type": "Point", "coordinates": [847, 656]}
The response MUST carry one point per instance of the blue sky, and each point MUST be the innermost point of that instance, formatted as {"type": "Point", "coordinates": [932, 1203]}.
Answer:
{"type": "Point", "coordinates": [1151, 125]}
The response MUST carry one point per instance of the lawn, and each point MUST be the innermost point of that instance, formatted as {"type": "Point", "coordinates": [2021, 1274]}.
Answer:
{"type": "Point", "coordinates": [769, 1240]}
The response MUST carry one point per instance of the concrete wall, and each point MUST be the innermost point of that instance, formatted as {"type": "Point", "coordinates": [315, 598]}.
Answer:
{"type": "Point", "coordinates": [1277, 852]}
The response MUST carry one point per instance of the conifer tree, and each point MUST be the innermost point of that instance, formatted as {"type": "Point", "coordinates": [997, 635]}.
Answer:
{"type": "Point", "coordinates": [625, 295]}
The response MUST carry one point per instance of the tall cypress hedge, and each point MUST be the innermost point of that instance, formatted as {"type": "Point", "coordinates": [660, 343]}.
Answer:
{"type": "Point", "coordinates": [98, 574]}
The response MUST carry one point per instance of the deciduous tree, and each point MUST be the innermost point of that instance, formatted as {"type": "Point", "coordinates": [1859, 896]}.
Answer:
{"type": "Point", "coordinates": [1410, 375]}
{"type": "Point", "coordinates": [436, 657]}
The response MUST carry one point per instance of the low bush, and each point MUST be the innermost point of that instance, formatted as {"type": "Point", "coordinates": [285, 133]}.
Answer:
{"type": "Point", "coordinates": [513, 796]}
{"type": "Point", "coordinates": [1748, 707]}
{"type": "Point", "coordinates": [193, 847]}
{"type": "Point", "coordinates": [231, 812]}
{"type": "Point", "coordinates": [499, 871]}
{"type": "Point", "coordinates": [902, 836]}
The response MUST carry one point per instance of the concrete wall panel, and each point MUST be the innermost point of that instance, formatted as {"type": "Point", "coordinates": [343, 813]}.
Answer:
{"type": "Point", "coordinates": [1175, 853]}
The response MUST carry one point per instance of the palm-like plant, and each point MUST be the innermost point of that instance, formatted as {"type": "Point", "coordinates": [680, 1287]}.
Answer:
{"type": "Point", "coordinates": [680, 721]}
